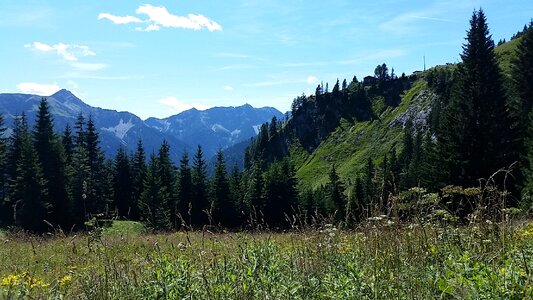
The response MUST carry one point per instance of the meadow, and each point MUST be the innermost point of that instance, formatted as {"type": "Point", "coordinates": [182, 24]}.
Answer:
{"type": "Point", "coordinates": [378, 260]}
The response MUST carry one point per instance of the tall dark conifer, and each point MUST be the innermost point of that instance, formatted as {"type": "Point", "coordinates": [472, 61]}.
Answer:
{"type": "Point", "coordinates": [222, 209]}
{"type": "Point", "coordinates": [154, 199]}
{"type": "Point", "coordinates": [185, 189]}
{"type": "Point", "coordinates": [138, 173]}
{"type": "Point", "coordinates": [123, 184]}
{"type": "Point", "coordinates": [4, 208]}
{"type": "Point", "coordinates": [474, 139]}
{"type": "Point", "coordinates": [167, 175]}
{"type": "Point", "coordinates": [51, 155]}
{"type": "Point", "coordinates": [200, 204]}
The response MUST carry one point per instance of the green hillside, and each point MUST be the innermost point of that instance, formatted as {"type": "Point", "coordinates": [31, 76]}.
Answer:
{"type": "Point", "coordinates": [351, 143]}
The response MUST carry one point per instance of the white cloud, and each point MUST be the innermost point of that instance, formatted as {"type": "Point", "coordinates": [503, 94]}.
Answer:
{"type": "Point", "coordinates": [159, 16]}
{"type": "Point", "coordinates": [68, 52]}
{"type": "Point", "coordinates": [312, 80]}
{"type": "Point", "coordinates": [228, 88]}
{"type": "Point", "coordinates": [118, 19]}
{"type": "Point", "coordinates": [88, 66]}
{"type": "Point", "coordinates": [180, 106]}
{"type": "Point", "coordinates": [38, 88]}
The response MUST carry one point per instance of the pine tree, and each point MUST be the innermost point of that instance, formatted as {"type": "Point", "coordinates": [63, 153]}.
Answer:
{"type": "Point", "coordinates": [138, 173]}
{"type": "Point", "coordinates": [222, 209]}
{"type": "Point", "coordinates": [200, 204]}
{"type": "Point", "coordinates": [51, 156]}
{"type": "Point", "coordinates": [96, 202]}
{"type": "Point", "coordinates": [474, 136]}
{"type": "Point", "coordinates": [28, 188]}
{"type": "Point", "coordinates": [4, 209]}
{"type": "Point", "coordinates": [79, 174]}
{"type": "Point", "coordinates": [154, 199]}
{"type": "Point", "coordinates": [335, 190]}
{"type": "Point", "coordinates": [523, 84]}
{"type": "Point", "coordinates": [167, 175]}
{"type": "Point", "coordinates": [236, 194]}
{"type": "Point", "coordinates": [185, 189]}
{"type": "Point", "coordinates": [68, 144]}
{"type": "Point", "coordinates": [123, 184]}
{"type": "Point", "coordinates": [279, 193]}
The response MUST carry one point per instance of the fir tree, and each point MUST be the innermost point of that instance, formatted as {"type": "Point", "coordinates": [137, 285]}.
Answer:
{"type": "Point", "coordinates": [335, 190]}
{"type": "Point", "coordinates": [4, 209]}
{"type": "Point", "coordinates": [28, 188]}
{"type": "Point", "coordinates": [167, 175]}
{"type": "Point", "coordinates": [474, 136]}
{"type": "Point", "coordinates": [51, 156]}
{"type": "Point", "coordinates": [154, 199]}
{"type": "Point", "coordinates": [123, 184]}
{"type": "Point", "coordinates": [138, 173]}
{"type": "Point", "coordinates": [185, 189]}
{"type": "Point", "coordinates": [200, 204]}
{"type": "Point", "coordinates": [222, 209]}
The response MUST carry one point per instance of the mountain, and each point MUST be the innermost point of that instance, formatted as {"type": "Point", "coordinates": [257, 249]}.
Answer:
{"type": "Point", "coordinates": [218, 127]}
{"type": "Point", "coordinates": [115, 128]}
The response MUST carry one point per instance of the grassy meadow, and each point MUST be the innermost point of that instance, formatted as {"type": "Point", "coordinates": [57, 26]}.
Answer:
{"type": "Point", "coordinates": [378, 260]}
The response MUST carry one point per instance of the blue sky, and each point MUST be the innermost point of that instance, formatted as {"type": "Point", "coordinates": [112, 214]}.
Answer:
{"type": "Point", "coordinates": [157, 58]}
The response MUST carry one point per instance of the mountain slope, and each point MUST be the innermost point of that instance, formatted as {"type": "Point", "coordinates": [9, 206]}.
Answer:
{"type": "Point", "coordinates": [115, 128]}
{"type": "Point", "coordinates": [219, 127]}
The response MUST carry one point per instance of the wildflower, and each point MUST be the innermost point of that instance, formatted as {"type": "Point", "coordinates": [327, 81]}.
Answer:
{"type": "Point", "coordinates": [10, 280]}
{"type": "Point", "coordinates": [65, 280]}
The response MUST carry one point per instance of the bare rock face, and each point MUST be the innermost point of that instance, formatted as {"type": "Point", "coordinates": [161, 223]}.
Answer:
{"type": "Point", "coordinates": [418, 111]}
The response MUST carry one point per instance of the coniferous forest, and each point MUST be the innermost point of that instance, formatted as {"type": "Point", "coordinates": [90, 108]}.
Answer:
{"type": "Point", "coordinates": [392, 186]}
{"type": "Point", "coordinates": [476, 144]}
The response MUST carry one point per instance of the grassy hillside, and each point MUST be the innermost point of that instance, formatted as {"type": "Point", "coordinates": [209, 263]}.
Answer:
{"type": "Point", "coordinates": [352, 142]}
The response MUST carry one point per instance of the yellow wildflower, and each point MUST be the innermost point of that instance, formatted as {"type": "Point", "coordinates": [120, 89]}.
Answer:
{"type": "Point", "coordinates": [66, 280]}
{"type": "Point", "coordinates": [10, 280]}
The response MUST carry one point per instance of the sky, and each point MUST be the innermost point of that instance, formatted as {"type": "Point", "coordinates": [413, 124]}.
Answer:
{"type": "Point", "coordinates": [158, 58]}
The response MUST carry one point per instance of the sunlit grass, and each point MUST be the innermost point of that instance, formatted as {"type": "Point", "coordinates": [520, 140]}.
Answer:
{"type": "Point", "coordinates": [379, 260]}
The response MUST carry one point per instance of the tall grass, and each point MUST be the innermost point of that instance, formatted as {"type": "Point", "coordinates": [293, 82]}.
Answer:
{"type": "Point", "coordinates": [378, 260]}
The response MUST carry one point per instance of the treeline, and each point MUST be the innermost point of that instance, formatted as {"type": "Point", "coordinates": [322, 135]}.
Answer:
{"type": "Point", "coordinates": [477, 135]}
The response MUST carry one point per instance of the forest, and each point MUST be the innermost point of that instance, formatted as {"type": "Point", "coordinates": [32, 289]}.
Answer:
{"type": "Point", "coordinates": [476, 144]}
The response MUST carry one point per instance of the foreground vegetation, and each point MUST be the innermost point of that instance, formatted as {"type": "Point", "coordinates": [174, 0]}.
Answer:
{"type": "Point", "coordinates": [378, 260]}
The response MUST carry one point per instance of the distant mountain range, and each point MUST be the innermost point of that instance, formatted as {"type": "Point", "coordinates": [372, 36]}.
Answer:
{"type": "Point", "coordinates": [219, 127]}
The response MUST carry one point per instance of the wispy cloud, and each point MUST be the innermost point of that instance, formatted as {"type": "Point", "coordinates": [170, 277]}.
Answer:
{"type": "Point", "coordinates": [159, 16]}
{"type": "Point", "coordinates": [38, 88]}
{"type": "Point", "coordinates": [88, 66]}
{"type": "Point", "coordinates": [119, 19]}
{"type": "Point", "coordinates": [228, 88]}
{"type": "Point", "coordinates": [180, 105]}
{"type": "Point", "coordinates": [67, 51]}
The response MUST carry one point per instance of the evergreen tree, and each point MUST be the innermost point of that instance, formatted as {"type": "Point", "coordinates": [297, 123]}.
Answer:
{"type": "Point", "coordinates": [236, 194]}
{"type": "Point", "coordinates": [138, 173]}
{"type": "Point", "coordinates": [336, 198]}
{"type": "Point", "coordinates": [474, 139]}
{"type": "Point", "coordinates": [68, 144]}
{"type": "Point", "coordinates": [28, 188]}
{"type": "Point", "coordinates": [51, 156]}
{"type": "Point", "coordinates": [154, 199]}
{"type": "Point", "coordinates": [95, 202]}
{"type": "Point", "coordinates": [167, 175]}
{"type": "Point", "coordinates": [200, 203]}
{"type": "Point", "coordinates": [4, 208]}
{"type": "Point", "coordinates": [368, 187]}
{"type": "Point", "coordinates": [79, 174]}
{"type": "Point", "coordinates": [254, 194]}
{"type": "Point", "coordinates": [279, 193]}
{"type": "Point", "coordinates": [185, 189]}
{"type": "Point", "coordinates": [222, 209]}
{"type": "Point", "coordinates": [123, 184]}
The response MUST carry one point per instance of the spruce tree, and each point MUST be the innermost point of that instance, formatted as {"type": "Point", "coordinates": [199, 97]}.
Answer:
{"type": "Point", "coordinates": [200, 204]}
{"type": "Point", "coordinates": [167, 175]}
{"type": "Point", "coordinates": [335, 192]}
{"type": "Point", "coordinates": [154, 199]}
{"type": "Point", "coordinates": [123, 184]}
{"type": "Point", "coordinates": [138, 173]}
{"type": "Point", "coordinates": [474, 139]}
{"type": "Point", "coordinates": [184, 189]}
{"type": "Point", "coordinates": [96, 201]}
{"type": "Point", "coordinates": [28, 188]}
{"type": "Point", "coordinates": [222, 209]}
{"type": "Point", "coordinates": [4, 209]}
{"type": "Point", "coordinates": [51, 155]}
{"type": "Point", "coordinates": [523, 84]}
